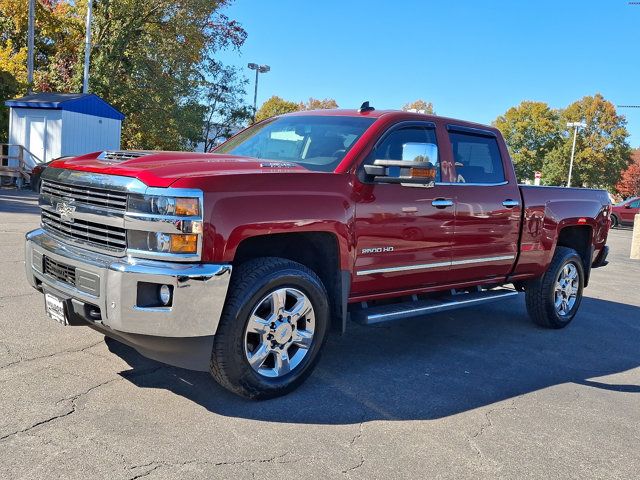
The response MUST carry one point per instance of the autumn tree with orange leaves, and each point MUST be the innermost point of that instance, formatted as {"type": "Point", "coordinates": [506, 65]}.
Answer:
{"type": "Point", "coordinates": [629, 184]}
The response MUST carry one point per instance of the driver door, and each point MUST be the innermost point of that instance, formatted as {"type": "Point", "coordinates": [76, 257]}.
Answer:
{"type": "Point", "coordinates": [404, 232]}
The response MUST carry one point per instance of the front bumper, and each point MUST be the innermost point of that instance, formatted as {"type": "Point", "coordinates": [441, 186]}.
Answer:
{"type": "Point", "coordinates": [111, 285]}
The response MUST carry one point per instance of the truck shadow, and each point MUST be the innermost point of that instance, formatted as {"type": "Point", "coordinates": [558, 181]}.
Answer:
{"type": "Point", "coordinates": [429, 368]}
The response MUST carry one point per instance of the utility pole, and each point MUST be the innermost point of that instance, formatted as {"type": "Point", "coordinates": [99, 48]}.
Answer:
{"type": "Point", "coordinates": [30, 42]}
{"type": "Point", "coordinates": [258, 69]}
{"type": "Point", "coordinates": [87, 47]}
{"type": "Point", "coordinates": [576, 125]}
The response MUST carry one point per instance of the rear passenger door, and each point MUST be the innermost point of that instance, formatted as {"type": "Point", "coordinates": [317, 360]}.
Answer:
{"type": "Point", "coordinates": [487, 206]}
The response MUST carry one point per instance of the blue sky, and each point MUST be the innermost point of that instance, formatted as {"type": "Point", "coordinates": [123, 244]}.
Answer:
{"type": "Point", "coordinates": [472, 59]}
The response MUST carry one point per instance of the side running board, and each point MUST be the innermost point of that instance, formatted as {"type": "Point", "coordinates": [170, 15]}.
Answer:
{"type": "Point", "coordinates": [385, 313]}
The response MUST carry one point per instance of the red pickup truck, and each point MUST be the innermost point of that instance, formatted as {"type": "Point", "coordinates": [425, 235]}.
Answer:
{"type": "Point", "coordinates": [241, 261]}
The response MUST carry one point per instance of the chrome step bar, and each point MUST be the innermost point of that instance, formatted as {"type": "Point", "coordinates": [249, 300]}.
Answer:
{"type": "Point", "coordinates": [397, 311]}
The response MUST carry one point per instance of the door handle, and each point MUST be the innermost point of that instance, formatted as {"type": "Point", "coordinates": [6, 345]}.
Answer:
{"type": "Point", "coordinates": [510, 203]}
{"type": "Point", "coordinates": [442, 203]}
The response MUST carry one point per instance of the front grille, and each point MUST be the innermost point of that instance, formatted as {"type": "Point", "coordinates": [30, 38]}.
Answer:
{"type": "Point", "coordinates": [99, 197]}
{"type": "Point", "coordinates": [64, 273]}
{"type": "Point", "coordinates": [99, 235]}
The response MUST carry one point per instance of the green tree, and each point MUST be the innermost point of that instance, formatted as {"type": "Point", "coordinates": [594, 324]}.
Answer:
{"type": "Point", "coordinates": [420, 106]}
{"type": "Point", "coordinates": [531, 131]}
{"type": "Point", "coordinates": [149, 59]}
{"type": "Point", "coordinates": [276, 106]}
{"type": "Point", "coordinates": [150, 62]}
{"type": "Point", "coordinates": [223, 94]}
{"type": "Point", "coordinates": [602, 150]}
{"type": "Point", "coordinates": [8, 89]}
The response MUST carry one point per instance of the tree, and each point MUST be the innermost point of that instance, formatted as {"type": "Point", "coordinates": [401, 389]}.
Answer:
{"type": "Point", "coordinates": [276, 106]}
{"type": "Point", "coordinates": [8, 89]}
{"type": "Point", "coordinates": [419, 106]}
{"type": "Point", "coordinates": [602, 151]}
{"type": "Point", "coordinates": [149, 59]}
{"type": "Point", "coordinates": [316, 104]}
{"type": "Point", "coordinates": [150, 62]}
{"type": "Point", "coordinates": [225, 111]}
{"type": "Point", "coordinates": [629, 184]}
{"type": "Point", "coordinates": [531, 131]}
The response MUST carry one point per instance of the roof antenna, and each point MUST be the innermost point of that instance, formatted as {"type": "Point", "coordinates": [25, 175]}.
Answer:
{"type": "Point", "coordinates": [365, 107]}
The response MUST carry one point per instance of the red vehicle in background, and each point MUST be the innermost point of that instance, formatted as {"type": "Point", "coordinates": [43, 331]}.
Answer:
{"type": "Point", "coordinates": [624, 212]}
{"type": "Point", "coordinates": [239, 262]}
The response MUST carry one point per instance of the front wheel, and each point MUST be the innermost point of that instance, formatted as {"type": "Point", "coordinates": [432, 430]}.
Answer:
{"type": "Point", "coordinates": [271, 330]}
{"type": "Point", "coordinates": [615, 222]}
{"type": "Point", "coordinates": [553, 300]}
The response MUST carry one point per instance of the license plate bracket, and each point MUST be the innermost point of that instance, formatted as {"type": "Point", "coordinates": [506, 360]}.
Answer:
{"type": "Point", "coordinates": [55, 308]}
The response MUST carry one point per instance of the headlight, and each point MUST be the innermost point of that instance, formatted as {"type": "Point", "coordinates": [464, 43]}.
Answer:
{"type": "Point", "coordinates": [161, 205]}
{"type": "Point", "coordinates": [162, 242]}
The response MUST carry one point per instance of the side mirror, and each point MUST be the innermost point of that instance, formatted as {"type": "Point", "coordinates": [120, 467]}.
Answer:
{"type": "Point", "coordinates": [417, 173]}
{"type": "Point", "coordinates": [628, 205]}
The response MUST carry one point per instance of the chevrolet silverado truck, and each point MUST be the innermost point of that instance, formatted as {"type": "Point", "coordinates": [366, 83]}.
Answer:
{"type": "Point", "coordinates": [240, 262]}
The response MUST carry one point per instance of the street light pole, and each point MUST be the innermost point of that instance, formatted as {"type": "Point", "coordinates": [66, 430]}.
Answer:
{"type": "Point", "coordinates": [30, 41]}
{"type": "Point", "coordinates": [258, 69]}
{"type": "Point", "coordinates": [576, 125]}
{"type": "Point", "coordinates": [87, 48]}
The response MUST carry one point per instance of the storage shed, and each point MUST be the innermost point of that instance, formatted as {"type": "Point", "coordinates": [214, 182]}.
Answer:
{"type": "Point", "coordinates": [52, 125]}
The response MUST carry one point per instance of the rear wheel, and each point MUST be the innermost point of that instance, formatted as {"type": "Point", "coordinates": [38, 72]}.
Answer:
{"type": "Point", "coordinates": [272, 328]}
{"type": "Point", "coordinates": [615, 221]}
{"type": "Point", "coordinates": [553, 300]}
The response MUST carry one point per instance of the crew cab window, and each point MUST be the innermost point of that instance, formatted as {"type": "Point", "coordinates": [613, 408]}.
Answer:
{"type": "Point", "coordinates": [477, 158]}
{"type": "Point", "coordinates": [410, 144]}
{"type": "Point", "coordinates": [315, 142]}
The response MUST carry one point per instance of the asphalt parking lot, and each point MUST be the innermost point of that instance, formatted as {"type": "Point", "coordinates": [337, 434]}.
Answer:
{"type": "Point", "coordinates": [478, 393]}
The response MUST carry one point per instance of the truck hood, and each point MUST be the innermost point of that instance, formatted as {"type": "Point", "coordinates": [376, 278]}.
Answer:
{"type": "Point", "coordinates": [161, 169]}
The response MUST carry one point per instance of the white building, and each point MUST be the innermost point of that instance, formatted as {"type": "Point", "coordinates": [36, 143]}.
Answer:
{"type": "Point", "coordinates": [52, 125]}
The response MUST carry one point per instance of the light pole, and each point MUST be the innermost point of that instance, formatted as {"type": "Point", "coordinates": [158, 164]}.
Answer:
{"type": "Point", "coordinates": [258, 69]}
{"type": "Point", "coordinates": [30, 34]}
{"type": "Point", "coordinates": [575, 125]}
{"type": "Point", "coordinates": [87, 48]}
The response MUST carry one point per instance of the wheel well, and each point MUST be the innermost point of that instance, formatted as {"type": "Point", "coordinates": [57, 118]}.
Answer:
{"type": "Point", "coordinates": [579, 238]}
{"type": "Point", "coordinates": [318, 251]}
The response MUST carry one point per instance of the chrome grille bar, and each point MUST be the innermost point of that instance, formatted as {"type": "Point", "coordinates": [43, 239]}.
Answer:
{"type": "Point", "coordinates": [87, 195]}
{"type": "Point", "coordinates": [103, 236]}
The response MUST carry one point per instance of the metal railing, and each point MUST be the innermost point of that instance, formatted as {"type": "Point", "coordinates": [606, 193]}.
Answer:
{"type": "Point", "coordinates": [16, 162]}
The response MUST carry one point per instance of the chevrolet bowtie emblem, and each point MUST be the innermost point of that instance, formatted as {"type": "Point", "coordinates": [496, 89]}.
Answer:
{"type": "Point", "coordinates": [66, 211]}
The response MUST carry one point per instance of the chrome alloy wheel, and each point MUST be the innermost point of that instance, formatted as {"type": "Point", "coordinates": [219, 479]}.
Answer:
{"type": "Point", "coordinates": [566, 291]}
{"type": "Point", "coordinates": [279, 333]}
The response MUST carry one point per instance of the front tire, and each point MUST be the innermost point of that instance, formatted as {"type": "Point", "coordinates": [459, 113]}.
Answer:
{"type": "Point", "coordinates": [272, 328]}
{"type": "Point", "coordinates": [553, 300]}
{"type": "Point", "coordinates": [615, 222]}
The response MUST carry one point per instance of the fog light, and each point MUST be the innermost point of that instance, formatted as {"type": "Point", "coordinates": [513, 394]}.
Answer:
{"type": "Point", "coordinates": [165, 294]}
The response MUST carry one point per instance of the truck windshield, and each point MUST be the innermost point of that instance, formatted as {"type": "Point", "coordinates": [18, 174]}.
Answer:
{"type": "Point", "coordinates": [316, 142]}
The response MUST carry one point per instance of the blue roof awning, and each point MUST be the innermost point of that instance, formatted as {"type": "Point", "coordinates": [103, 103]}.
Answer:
{"type": "Point", "coordinates": [87, 103]}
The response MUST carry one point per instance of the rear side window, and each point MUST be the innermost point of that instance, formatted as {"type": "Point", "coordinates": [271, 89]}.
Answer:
{"type": "Point", "coordinates": [410, 144]}
{"type": "Point", "coordinates": [477, 158]}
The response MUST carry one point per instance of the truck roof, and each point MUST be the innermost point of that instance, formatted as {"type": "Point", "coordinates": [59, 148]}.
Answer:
{"type": "Point", "coordinates": [400, 114]}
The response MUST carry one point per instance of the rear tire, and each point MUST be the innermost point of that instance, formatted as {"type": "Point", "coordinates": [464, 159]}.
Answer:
{"type": "Point", "coordinates": [272, 328]}
{"type": "Point", "coordinates": [553, 300]}
{"type": "Point", "coordinates": [615, 222]}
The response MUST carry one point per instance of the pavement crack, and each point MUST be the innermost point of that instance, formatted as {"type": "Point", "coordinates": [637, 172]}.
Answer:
{"type": "Point", "coordinates": [357, 436]}
{"type": "Point", "coordinates": [50, 355]}
{"type": "Point", "coordinates": [355, 467]}
{"type": "Point", "coordinates": [73, 408]}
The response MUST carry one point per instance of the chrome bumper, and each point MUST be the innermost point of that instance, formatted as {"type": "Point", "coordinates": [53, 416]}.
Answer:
{"type": "Point", "coordinates": [111, 284]}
